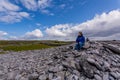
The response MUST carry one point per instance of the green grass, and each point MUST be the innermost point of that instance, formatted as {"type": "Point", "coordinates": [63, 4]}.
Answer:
{"type": "Point", "coordinates": [2, 52]}
{"type": "Point", "coordinates": [29, 45]}
{"type": "Point", "coordinates": [25, 47]}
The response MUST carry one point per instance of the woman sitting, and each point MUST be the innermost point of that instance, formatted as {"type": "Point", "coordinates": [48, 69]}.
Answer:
{"type": "Point", "coordinates": [80, 41]}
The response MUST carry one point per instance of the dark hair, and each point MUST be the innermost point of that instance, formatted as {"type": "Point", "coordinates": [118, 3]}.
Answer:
{"type": "Point", "coordinates": [81, 33]}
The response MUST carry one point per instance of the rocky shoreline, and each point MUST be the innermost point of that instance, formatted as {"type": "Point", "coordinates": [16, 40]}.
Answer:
{"type": "Point", "coordinates": [62, 63]}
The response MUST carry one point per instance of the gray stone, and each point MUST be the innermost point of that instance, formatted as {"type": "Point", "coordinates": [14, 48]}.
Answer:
{"type": "Point", "coordinates": [111, 78]}
{"type": "Point", "coordinates": [116, 75]}
{"type": "Point", "coordinates": [53, 69]}
{"type": "Point", "coordinates": [106, 65]}
{"type": "Point", "coordinates": [61, 74]}
{"type": "Point", "coordinates": [50, 76]}
{"type": "Point", "coordinates": [74, 77]}
{"type": "Point", "coordinates": [11, 75]}
{"type": "Point", "coordinates": [18, 77]}
{"type": "Point", "coordinates": [82, 78]}
{"type": "Point", "coordinates": [97, 77]}
{"type": "Point", "coordinates": [106, 76]}
{"type": "Point", "coordinates": [114, 63]}
{"type": "Point", "coordinates": [43, 77]}
{"type": "Point", "coordinates": [33, 76]}
{"type": "Point", "coordinates": [22, 78]}
{"type": "Point", "coordinates": [94, 63]}
{"type": "Point", "coordinates": [57, 78]}
{"type": "Point", "coordinates": [97, 72]}
{"type": "Point", "coordinates": [1, 72]}
{"type": "Point", "coordinates": [91, 60]}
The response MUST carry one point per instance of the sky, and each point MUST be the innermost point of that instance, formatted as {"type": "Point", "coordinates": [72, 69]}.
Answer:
{"type": "Point", "coordinates": [59, 19]}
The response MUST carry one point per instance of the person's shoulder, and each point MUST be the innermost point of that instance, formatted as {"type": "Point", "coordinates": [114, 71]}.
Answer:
{"type": "Point", "coordinates": [83, 36]}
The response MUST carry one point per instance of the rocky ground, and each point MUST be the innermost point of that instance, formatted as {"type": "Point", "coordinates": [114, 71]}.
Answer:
{"type": "Point", "coordinates": [63, 63]}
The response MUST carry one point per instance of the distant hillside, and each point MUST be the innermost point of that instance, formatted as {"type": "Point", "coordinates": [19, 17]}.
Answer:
{"type": "Point", "coordinates": [22, 45]}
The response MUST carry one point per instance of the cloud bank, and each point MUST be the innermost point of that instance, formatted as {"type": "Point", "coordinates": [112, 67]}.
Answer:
{"type": "Point", "coordinates": [101, 26]}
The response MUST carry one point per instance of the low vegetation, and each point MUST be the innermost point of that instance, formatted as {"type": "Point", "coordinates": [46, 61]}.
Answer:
{"type": "Point", "coordinates": [29, 45]}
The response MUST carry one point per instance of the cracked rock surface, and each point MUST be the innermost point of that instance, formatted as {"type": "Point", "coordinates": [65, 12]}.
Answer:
{"type": "Point", "coordinates": [62, 63]}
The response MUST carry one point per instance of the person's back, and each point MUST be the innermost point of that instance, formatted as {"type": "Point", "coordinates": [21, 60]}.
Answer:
{"type": "Point", "coordinates": [80, 41]}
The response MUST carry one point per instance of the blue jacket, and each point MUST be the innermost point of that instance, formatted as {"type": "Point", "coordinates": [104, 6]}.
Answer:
{"type": "Point", "coordinates": [80, 39]}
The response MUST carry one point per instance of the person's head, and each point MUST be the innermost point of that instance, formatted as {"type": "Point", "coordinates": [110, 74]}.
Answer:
{"type": "Point", "coordinates": [80, 34]}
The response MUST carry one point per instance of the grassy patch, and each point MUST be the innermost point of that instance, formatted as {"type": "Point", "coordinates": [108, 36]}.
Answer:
{"type": "Point", "coordinates": [2, 52]}
{"type": "Point", "coordinates": [29, 45]}
{"type": "Point", "coordinates": [25, 47]}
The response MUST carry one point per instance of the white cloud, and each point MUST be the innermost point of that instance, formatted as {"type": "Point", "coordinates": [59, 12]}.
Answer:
{"type": "Point", "coordinates": [5, 5]}
{"type": "Point", "coordinates": [3, 34]}
{"type": "Point", "coordinates": [36, 4]}
{"type": "Point", "coordinates": [44, 3]}
{"type": "Point", "coordinates": [35, 34]}
{"type": "Point", "coordinates": [45, 11]}
{"type": "Point", "coordinates": [10, 12]}
{"type": "Point", "coordinates": [103, 25]}
{"type": "Point", "coordinates": [12, 17]}
{"type": "Point", "coordinates": [29, 4]}
{"type": "Point", "coordinates": [39, 5]}
{"type": "Point", "coordinates": [38, 24]}
{"type": "Point", "coordinates": [12, 38]}
{"type": "Point", "coordinates": [60, 30]}
{"type": "Point", "coordinates": [111, 37]}
{"type": "Point", "coordinates": [31, 35]}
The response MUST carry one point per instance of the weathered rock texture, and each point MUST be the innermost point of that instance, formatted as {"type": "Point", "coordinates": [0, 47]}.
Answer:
{"type": "Point", "coordinates": [62, 63]}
